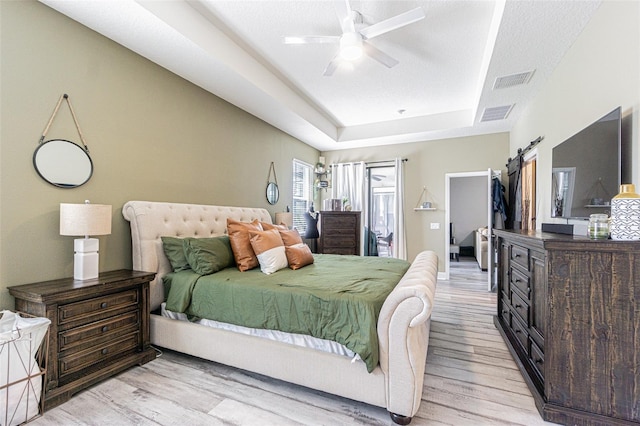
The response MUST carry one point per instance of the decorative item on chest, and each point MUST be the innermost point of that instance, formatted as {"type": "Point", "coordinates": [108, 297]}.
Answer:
{"type": "Point", "coordinates": [625, 214]}
{"type": "Point", "coordinates": [598, 227]}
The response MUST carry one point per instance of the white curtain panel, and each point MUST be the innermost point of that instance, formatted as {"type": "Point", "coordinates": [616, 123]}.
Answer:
{"type": "Point", "coordinates": [348, 182]}
{"type": "Point", "coordinates": [399, 236]}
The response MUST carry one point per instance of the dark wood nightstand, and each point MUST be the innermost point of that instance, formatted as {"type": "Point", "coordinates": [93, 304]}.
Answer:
{"type": "Point", "coordinates": [99, 327]}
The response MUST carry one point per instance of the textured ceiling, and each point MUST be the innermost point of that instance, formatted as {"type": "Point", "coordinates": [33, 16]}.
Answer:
{"type": "Point", "coordinates": [448, 62]}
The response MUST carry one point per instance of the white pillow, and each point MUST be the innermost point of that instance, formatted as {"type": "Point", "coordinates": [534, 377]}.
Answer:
{"type": "Point", "coordinates": [269, 249]}
{"type": "Point", "coordinates": [273, 260]}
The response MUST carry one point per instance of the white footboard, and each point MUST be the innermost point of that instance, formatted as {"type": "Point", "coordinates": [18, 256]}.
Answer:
{"type": "Point", "coordinates": [323, 371]}
{"type": "Point", "coordinates": [403, 334]}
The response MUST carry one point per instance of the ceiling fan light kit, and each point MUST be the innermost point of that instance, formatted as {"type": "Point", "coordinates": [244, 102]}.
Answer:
{"type": "Point", "coordinates": [354, 43]}
{"type": "Point", "coordinates": [351, 46]}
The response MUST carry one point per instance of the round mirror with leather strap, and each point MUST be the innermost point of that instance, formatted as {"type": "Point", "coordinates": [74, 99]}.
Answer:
{"type": "Point", "coordinates": [273, 193]}
{"type": "Point", "coordinates": [63, 163]}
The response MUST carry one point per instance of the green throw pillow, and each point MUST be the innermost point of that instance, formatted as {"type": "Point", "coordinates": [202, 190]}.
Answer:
{"type": "Point", "coordinates": [174, 250]}
{"type": "Point", "coordinates": [208, 255]}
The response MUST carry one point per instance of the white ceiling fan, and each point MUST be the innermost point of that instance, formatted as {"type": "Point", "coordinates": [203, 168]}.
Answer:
{"type": "Point", "coordinates": [354, 42]}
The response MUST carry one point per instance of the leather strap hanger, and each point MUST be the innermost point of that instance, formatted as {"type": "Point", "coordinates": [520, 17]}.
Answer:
{"type": "Point", "coordinates": [272, 169]}
{"type": "Point", "coordinates": [75, 120]}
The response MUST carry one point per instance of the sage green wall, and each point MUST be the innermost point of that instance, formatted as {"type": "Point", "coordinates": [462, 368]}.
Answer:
{"type": "Point", "coordinates": [428, 163]}
{"type": "Point", "coordinates": [600, 72]}
{"type": "Point", "coordinates": [152, 136]}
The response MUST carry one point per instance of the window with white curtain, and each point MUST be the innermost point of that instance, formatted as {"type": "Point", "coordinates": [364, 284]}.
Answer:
{"type": "Point", "coordinates": [302, 193]}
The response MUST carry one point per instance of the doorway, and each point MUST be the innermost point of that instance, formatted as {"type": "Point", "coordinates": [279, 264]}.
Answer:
{"type": "Point", "coordinates": [484, 181]}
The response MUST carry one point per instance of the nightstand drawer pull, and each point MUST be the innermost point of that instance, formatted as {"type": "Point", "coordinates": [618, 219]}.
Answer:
{"type": "Point", "coordinates": [103, 305]}
{"type": "Point", "coordinates": [105, 329]}
{"type": "Point", "coordinates": [105, 351]}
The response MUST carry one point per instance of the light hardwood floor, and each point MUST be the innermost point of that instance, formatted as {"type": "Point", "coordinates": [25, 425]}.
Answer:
{"type": "Point", "coordinates": [470, 379]}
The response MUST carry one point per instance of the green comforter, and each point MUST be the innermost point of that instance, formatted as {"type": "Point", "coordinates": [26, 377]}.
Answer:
{"type": "Point", "coordinates": [337, 298]}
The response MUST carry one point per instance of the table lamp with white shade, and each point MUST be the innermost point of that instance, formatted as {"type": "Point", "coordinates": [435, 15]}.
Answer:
{"type": "Point", "coordinates": [85, 220]}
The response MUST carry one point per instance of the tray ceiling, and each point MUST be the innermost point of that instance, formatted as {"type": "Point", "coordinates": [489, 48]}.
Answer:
{"type": "Point", "coordinates": [465, 57]}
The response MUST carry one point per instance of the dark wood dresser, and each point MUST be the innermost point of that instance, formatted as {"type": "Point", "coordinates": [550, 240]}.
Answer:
{"type": "Point", "coordinates": [99, 327]}
{"type": "Point", "coordinates": [569, 311]}
{"type": "Point", "coordinates": [339, 232]}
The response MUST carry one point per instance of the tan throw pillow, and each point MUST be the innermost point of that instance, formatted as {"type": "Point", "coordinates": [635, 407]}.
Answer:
{"type": "Point", "coordinates": [241, 244]}
{"type": "Point", "coordinates": [269, 249]}
{"type": "Point", "coordinates": [290, 237]}
{"type": "Point", "coordinates": [267, 226]}
{"type": "Point", "coordinates": [298, 255]}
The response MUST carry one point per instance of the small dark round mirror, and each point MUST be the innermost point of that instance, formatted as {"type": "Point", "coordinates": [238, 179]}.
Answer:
{"type": "Point", "coordinates": [273, 194]}
{"type": "Point", "coordinates": [63, 163]}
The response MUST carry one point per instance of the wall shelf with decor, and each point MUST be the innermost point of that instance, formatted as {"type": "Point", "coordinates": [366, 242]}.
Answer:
{"type": "Point", "coordinates": [323, 175]}
{"type": "Point", "coordinates": [424, 205]}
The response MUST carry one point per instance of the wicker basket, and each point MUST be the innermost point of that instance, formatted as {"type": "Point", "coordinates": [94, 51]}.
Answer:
{"type": "Point", "coordinates": [24, 342]}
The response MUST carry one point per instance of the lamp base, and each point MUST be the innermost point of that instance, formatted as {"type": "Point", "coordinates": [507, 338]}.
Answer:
{"type": "Point", "coordinates": [85, 259]}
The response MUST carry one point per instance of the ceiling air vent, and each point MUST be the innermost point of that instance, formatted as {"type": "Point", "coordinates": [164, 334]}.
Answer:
{"type": "Point", "coordinates": [512, 80]}
{"type": "Point", "coordinates": [496, 113]}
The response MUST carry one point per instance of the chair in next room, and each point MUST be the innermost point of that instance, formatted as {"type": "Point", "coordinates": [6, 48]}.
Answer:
{"type": "Point", "coordinates": [454, 249]}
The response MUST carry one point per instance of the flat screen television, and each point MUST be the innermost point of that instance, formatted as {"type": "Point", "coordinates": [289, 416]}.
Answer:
{"type": "Point", "coordinates": [586, 169]}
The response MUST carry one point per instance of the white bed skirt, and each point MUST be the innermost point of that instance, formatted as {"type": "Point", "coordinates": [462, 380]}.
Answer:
{"type": "Point", "coordinates": [302, 340]}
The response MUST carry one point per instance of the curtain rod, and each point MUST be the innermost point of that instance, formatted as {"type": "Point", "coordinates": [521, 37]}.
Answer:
{"type": "Point", "coordinates": [404, 160]}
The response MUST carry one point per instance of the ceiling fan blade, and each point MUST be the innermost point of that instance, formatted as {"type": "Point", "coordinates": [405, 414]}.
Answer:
{"type": "Point", "coordinates": [310, 39]}
{"type": "Point", "coordinates": [393, 23]}
{"type": "Point", "coordinates": [379, 55]}
{"type": "Point", "coordinates": [331, 68]}
{"type": "Point", "coordinates": [345, 16]}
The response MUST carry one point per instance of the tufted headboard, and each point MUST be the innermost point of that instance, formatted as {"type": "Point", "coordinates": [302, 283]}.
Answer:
{"type": "Point", "coordinates": [151, 220]}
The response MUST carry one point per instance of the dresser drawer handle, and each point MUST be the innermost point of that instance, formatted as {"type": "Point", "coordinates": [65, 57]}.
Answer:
{"type": "Point", "coordinates": [105, 351]}
{"type": "Point", "coordinates": [505, 312]}
{"type": "Point", "coordinates": [516, 255]}
{"type": "Point", "coordinates": [517, 331]}
{"type": "Point", "coordinates": [105, 328]}
{"type": "Point", "coordinates": [518, 306]}
{"type": "Point", "coordinates": [538, 361]}
{"type": "Point", "coordinates": [103, 305]}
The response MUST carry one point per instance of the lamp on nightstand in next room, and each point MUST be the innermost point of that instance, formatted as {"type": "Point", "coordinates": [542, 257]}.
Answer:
{"type": "Point", "coordinates": [85, 219]}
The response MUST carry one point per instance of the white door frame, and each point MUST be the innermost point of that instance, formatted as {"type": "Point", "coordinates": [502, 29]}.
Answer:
{"type": "Point", "coordinates": [447, 218]}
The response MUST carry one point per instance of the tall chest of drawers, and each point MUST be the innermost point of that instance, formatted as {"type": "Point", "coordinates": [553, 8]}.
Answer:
{"type": "Point", "coordinates": [99, 327]}
{"type": "Point", "coordinates": [568, 311]}
{"type": "Point", "coordinates": [339, 232]}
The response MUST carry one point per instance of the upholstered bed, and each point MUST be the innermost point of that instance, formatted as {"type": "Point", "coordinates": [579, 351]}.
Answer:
{"type": "Point", "coordinates": [402, 327]}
